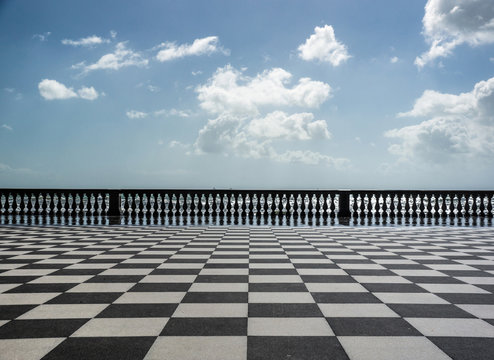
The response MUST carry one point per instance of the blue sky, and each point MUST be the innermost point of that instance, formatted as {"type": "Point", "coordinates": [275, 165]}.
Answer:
{"type": "Point", "coordinates": [247, 94]}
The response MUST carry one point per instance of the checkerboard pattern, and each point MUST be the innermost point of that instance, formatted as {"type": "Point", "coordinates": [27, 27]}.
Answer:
{"type": "Point", "coordinates": [183, 293]}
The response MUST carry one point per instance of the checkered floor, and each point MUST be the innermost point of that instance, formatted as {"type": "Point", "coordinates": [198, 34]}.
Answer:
{"type": "Point", "coordinates": [231, 293]}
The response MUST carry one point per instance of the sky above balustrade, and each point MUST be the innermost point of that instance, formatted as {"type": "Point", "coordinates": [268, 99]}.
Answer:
{"type": "Point", "coordinates": [247, 94]}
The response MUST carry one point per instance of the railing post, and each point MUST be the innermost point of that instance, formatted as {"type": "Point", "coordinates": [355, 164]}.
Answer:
{"type": "Point", "coordinates": [344, 204]}
{"type": "Point", "coordinates": [114, 203]}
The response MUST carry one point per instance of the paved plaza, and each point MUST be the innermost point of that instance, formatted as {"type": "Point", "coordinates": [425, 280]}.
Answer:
{"type": "Point", "coordinates": [182, 293]}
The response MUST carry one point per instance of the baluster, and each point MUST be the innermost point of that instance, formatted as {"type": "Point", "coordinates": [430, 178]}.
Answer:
{"type": "Point", "coordinates": [366, 205]}
{"type": "Point", "coordinates": [373, 202]}
{"type": "Point", "coordinates": [240, 202]}
{"type": "Point", "coordinates": [196, 203]}
{"type": "Point", "coordinates": [388, 205]}
{"type": "Point", "coordinates": [425, 201]}
{"type": "Point", "coordinates": [306, 204]}
{"type": "Point", "coordinates": [486, 205]}
{"type": "Point", "coordinates": [359, 202]}
{"type": "Point", "coordinates": [167, 201]}
{"type": "Point", "coordinates": [455, 205]}
{"type": "Point", "coordinates": [203, 204]}
{"type": "Point", "coordinates": [380, 203]}
{"type": "Point", "coordinates": [152, 202]}
{"type": "Point", "coordinates": [433, 205]}
{"type": "Point", "coordinates": [17, 204]}
{"type": "Point", "coordinates": [478, 203]}
{"type": "Point", "coordinates": [291, 204]}
{"type": "Point", "coordinates": [403, 204]}
{"type": "Point", "coordinates": [159, 202]}
{"type": "Point", "coordinates": [181, 202]}
{"type": "Point", "coordinates": [26, 203]}
{"type": "Point", "coordinates": [299, 203]}
{"type": "Point", "coordinates": [99, 204]}
{"type": "Point", "coordinates": [2, 202]}
{"type": "Point", "coordinates": [144, 204]}
{"type": "Point", "coordinates": [492, 205]}
{"type": "Point", "coordinates": [440, 202]}
{"type": "Point", "coordinates": [84, 203]}
{"type": "Point", "coordinates": [329, 204]}
{"type": "Point", "coordinates": [284, 203]}
{"type": "Point", "coordinates": [261, 204]}
{"type": "Point", "coordinates": [10, 200]}
{"type": "Point", "coordinates": [396, 203]}
{"type": "Point", "coordinates": [463, 203]}
{"type": "Point", "coordinates": [411, 201]}
{"type": "Point", "coordinates": [269, 202]}
{"type": "Point", "coordinates": [92, 202]}
{"type": "Point", "coordinates": [277, 203]}
{"type": "Point", "coordinates": [247, 204]}
{"type": "Point", "coordinates": [77, 203]}
{"type": "Point", "coordinates": [255, 203]}
{"type": "Point", "coordinates": [70, 202]}
{"type": "Point", "coordinates": [137, 204]}
{"type": "Point", "coordinates": [107, 203]}
{"type": "Point", "coordinates": [232, 203]}
{"type": "Point", "coordinates": [210, 204]}
{"type": "Point", "coordinates": [448, 205]}
{"type": "Point", "coordinates": [313, 204]}
{"type": "Point", "coordinates": [470, 205]}
{"type": "Point", "coordinates": [130, 202]}
{"type": "Point", "coordinates": [55, 203]}
{"type": "Point", "coordinates": [33, 203]}
{"type": "Point", "coordinates": [48, 202]}
{"type": "Point", "coordinates": [418, 203]}
{"type": "Point", "coordinates": [40, 203]}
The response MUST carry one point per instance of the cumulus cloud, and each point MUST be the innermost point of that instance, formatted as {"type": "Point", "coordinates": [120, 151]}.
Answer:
{"type": "Point", "coordinates": [455, 126]}
{"type": "Point", "coordinates": [448, 24]}
{"type": "Point", "coordinates": [323, 46]}
{"type": "Point", "coordinates": [228, 90]}
{"type": "Point", "coordinates": [394, 60]}
{"type": "Point", "coordinates": [54, 90]}
{"type": "Point", "coordinates": [7, 127]}
{"type": "Point", "coordinates": [134, 114]}
{"type": "Point", "coordinates": [204, 46]}
{"type": "Point", "coordinates": [279, 125]}
{"type": "Point", "coordinates": [245, 125]}
{"type": "Point", "coordinates": [86, 42]}
{"type": "Point", "coordinates": [120, 58]}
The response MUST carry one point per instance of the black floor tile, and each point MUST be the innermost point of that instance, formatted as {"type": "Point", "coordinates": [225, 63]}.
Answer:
{"type": "Point", "coordinates": [108, 348]}
{"type": "Point", "coordinates": [216, 297]}
{"type": "Point", "coordinates": [372, 327]}
{"type": "Point", "coordinates": [40, 328]}
{"type": "Point", "coordinates": [9, 312]}
{"type": "Point", "coordinates": [429, 310]}
{"type": "Point", "coordinates": [340, 297]}
{"type": "Point", "coordinates": [466, 348]}
{"type": "Point", "coordinates": [290, 347]}
{"type": "Point", "coordinates": [138, 310]}
{"type": "Point", "coordinates": [277, 287]}
{"type": "Point", "coordinates": [85, 298]}
{"type": "Point", "coordinates": [205, 327]}
{"type": "Point", "coordinates": [284, 310]}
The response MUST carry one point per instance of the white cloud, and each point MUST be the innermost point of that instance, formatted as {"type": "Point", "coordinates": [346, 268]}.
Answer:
{"type": "Point", "coordinates": [87, 93]}
{"type": "Point", "coordinates": [455, 126]}
{"type": "Point", "coordinates": [113, 34]}
{"type": "Point", "coordinates": [310, 158]}
{"type": "Point", "coordinates": [448, 24]}
{"type": "Point", "coordinates": [120, 58]}
{"type": "Point", "coordinates": [204, 46]}
{"type": "Point", "coordinates": [134, 114]}
{"type": "Point", "coordinates": [323, 46]}
{"type": "Point", "coordinates": [54, 90]}
{"type": "Point", "coordinates": [195, 73]}
{"type": "Point", "coordinates": [280, 125]}
{"type": "Point", "coordinates": [228, 90]}
{"type": "Point", "coordinates": [153, 88]}
{"type": "Point", "coordinates": [86, 42]}
{"type": "Point", "coordinates": [42, 37]}
{"type": "Point", "coordinates": [7, 127]}
{"type": "Point", "coordinates": [394, 60]}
